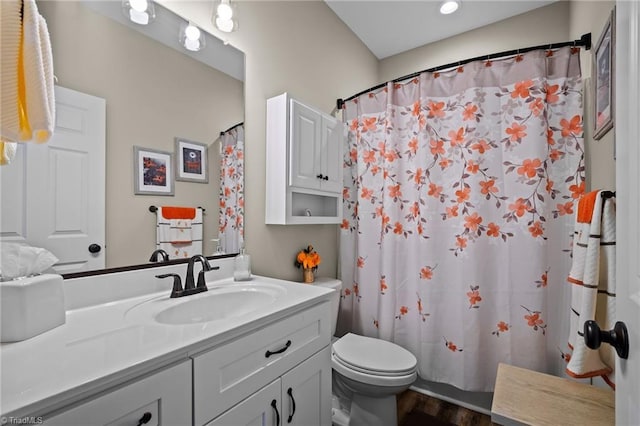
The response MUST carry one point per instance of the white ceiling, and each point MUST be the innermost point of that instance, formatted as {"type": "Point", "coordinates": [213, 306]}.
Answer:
{"type": "Point", "coordinates": [389, 27]}
{"type": "Point", "coordinates": [165, 29]}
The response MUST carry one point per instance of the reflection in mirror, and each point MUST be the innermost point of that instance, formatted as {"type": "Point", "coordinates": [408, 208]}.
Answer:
{"type": "Point", "coordinates": [152, 91]}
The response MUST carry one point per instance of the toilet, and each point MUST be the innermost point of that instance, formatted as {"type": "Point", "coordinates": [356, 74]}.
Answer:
{"type": "Point", "coordinates": [367, 374]}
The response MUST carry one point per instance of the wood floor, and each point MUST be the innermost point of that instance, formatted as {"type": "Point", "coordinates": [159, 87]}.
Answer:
{"type": "Point", "coordinates": [416, 409]}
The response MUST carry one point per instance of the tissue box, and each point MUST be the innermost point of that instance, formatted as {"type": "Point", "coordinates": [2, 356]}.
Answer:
{"type": "Point", "coordinates": [30, 306]}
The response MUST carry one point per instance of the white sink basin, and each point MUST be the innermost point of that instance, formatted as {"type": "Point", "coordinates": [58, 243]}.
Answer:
{"type": "Point", "coordinates": [219, 303]}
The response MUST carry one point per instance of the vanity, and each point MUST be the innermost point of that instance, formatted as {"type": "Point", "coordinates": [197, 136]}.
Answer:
{"type": "Point", "coordinates": [253, 352]}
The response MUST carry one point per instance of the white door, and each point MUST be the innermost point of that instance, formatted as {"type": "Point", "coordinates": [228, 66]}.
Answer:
{"type": "Point", "coordinates": [627, 128]}
{"type": "Point", "coordinates": [53, 194]}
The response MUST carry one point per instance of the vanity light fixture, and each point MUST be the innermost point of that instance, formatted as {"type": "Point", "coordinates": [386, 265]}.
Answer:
{"type": "Point", "coordinates": [191, 37]}
{"type": "Point", "coordinates": [141, 12]}
{"type": "Point", "coordinates": [449, 6]}
{"type": "Point", "coordinates": [224, 17]}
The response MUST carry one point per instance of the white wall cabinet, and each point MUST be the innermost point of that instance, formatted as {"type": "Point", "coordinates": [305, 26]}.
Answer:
{"type": "Point", "coordinates": [304, 164]}
{"type": "Point", "coordinates": [163, 398]}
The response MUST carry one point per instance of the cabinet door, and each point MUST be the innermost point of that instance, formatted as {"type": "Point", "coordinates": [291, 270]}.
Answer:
{"type": "Point", "coordinates": [263, 408]}
{"type": "Point", "coordinates": [305, 147]}
{"type": "Point", "coordinates": [306, 392]}
{"type": "Point", "coordinates": [224, 376]}
{"type": "Point", "coordinates": [164, 396]}
{"type": "Point", "coordinates": [331, 155]}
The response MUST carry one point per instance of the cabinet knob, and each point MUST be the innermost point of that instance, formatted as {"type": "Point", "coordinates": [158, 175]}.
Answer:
{"type": "Point", "coordinates": [94, 248]}
{"type": "Point", "coordinates": [146, 417]}
{"type": "Point", "coordinates": [320, 176]}
{"type": "Point", "coordinates": [274, 404]}
{"type": "Point", "coordinates": [325, 178]}
{"type": "Point", "coordinates": [293, 404]}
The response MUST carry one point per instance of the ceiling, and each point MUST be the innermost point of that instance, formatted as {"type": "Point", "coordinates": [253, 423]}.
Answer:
{"type": "Point", "coordinates": [391, 27]}
{"type": "Point", "coordinates": [165, 29]}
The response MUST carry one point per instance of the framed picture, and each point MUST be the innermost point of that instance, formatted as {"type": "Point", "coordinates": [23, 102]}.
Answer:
{"type": "Point", "coordinates": [152, 172]}
{"type": "Point", "coordinates": [192, 161]}
{"type": "Point", "coordinates": [603, 73]}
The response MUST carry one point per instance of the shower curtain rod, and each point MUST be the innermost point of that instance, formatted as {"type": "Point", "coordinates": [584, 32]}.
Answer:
{"type": "Point", "coordinates": [232, 127]}
{"type": "Point", "coordinates": [585, 41]}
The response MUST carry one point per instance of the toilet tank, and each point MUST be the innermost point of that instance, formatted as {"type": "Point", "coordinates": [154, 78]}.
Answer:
{"type": "Point", "coordinates": [335, 298]}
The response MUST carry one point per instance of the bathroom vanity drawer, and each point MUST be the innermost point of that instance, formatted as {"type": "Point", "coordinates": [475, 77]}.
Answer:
{"type": "Point", "coordinates": [163, 398]}
{"type": "Point", "coordinates": [226, 375]}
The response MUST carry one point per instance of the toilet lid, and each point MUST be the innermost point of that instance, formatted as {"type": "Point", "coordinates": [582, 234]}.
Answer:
{"type": "Point", "coordinates": [375, 356]}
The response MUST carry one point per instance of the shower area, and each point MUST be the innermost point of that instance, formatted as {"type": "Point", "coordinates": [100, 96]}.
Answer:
{"type": "Point", "coordinates": [460, 188]}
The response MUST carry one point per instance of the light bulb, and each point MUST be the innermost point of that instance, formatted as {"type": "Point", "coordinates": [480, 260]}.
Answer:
{"type": "Point", "coordinates": [141, 18]}
{"type": "Point", "coordinates": [192, 45]}
{"type": "Point", "coordinates": [449, 6]}
{"type": "Point", "coordinates": [192, 32]}
{"type": "Point", "coordinates": [225, 25]}
{"type": "Point", "coordinates": [139, 5]}
{"type": "Point", "coordinates": [224, 10]}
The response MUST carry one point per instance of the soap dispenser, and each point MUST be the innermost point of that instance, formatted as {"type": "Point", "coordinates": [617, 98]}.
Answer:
{"type": "Point", "coordinates": [218, 251]}
{"type": "Point", "coordinates": [242, 270]}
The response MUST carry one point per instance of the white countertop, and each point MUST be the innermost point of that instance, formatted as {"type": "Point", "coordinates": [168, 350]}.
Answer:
{"type": "Point", "coordinates": [99, 347]}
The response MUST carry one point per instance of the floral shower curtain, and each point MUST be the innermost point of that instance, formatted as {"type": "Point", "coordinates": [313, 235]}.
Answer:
{"type": "Point", "coordinates": [231, 215]}
{"type": "Point", "coordinates": [459, 195]}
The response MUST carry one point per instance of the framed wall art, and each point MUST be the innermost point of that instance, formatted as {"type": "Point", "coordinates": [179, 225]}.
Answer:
{"type": "Point", "coordinates": [191, 158]}
{"type": "Point", "coordinates": [604, 84]}
{"type": "Point", "coordinates": [152, 172]}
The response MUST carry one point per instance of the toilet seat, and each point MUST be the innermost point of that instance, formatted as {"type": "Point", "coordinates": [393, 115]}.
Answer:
{"type": "Point", "coordinates": [373, 361]}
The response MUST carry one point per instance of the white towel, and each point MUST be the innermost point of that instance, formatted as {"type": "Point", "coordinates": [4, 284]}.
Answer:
{"type": "Point", "coordinates": [166, 237]}
{"type": "Point", "coordinates": [593, 290]}
{"type": "Point", "coordinates": [10, 31]}
{"type": "Point", "coordinates": [180, 231]}
{"type": "Point", "coordinates": [26, 62]}
{"type": "Point", "coordinates": [38, 73]}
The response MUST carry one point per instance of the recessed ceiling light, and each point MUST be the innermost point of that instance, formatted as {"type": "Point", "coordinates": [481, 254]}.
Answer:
{"type": "Point", "coordinates": [449, 6]}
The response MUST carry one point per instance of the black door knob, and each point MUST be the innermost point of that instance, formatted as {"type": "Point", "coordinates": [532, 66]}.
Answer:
{"type": "Point", "coordinates": [618, 337]}
{"type": "Point", "coordinates": [94, 248]}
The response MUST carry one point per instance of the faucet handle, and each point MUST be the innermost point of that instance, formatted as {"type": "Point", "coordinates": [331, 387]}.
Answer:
{"type": "Point", "coordinates": [177, 284]}
{"type": "Point", "coordinates": [205, 268]}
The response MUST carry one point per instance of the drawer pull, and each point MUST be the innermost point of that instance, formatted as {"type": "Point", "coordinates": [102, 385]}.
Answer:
{"type": "Point", "coordinates": [279, 351]}
{"type": "Point", "coordinates": [274, 404]}
{"type": "Point", "coordinates": [293, 405]}
{"type": "Point", "coordinates": [146, 417]}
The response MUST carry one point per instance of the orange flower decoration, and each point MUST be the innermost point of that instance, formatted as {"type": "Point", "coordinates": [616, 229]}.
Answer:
{"type": "Point", "coordinates": [308, 258]}
{"type": "Point", "coordinates": [572, 127]}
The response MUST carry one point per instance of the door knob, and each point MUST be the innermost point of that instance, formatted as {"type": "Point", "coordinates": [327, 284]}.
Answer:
{"type": "Point", "coordinates": [94, 248]}
{"type": "Point", "coordinates": [618, 337]}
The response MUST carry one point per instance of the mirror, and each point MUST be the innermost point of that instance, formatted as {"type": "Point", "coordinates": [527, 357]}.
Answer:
{"type": "Point", "coordinates": [154, 94]}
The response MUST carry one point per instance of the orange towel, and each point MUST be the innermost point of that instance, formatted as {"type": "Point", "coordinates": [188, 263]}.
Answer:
{"type": "Point", "coordinates": [169, 212]}
{"type": "Point", "coordinates": [585, 207]}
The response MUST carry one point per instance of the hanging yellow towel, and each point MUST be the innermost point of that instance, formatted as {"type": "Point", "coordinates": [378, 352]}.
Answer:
{"type": "Point", "coordinates": [10, 40]}
{"type": "Point", "coordinates": [38, 74]}
{"type": "Point", "coordinates": [27, 104]}
{"type": "Point", "coordinates": [592, 277]}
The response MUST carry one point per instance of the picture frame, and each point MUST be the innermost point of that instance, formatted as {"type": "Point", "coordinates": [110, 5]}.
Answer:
{"type": "Point", "coordinates": [603, 79]}
{"type": "Point", "coordinates": [153, 172]}
{"type": "Point", "coordinates": [192, 160]}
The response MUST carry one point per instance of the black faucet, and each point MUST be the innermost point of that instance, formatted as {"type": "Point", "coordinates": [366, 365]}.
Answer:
{"type": "Point", "coordinates": [189, 286]}
{"type": "Point", "coordinates": [162, 253]}
{"type": "Point", "coordinates": [189, 283]}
